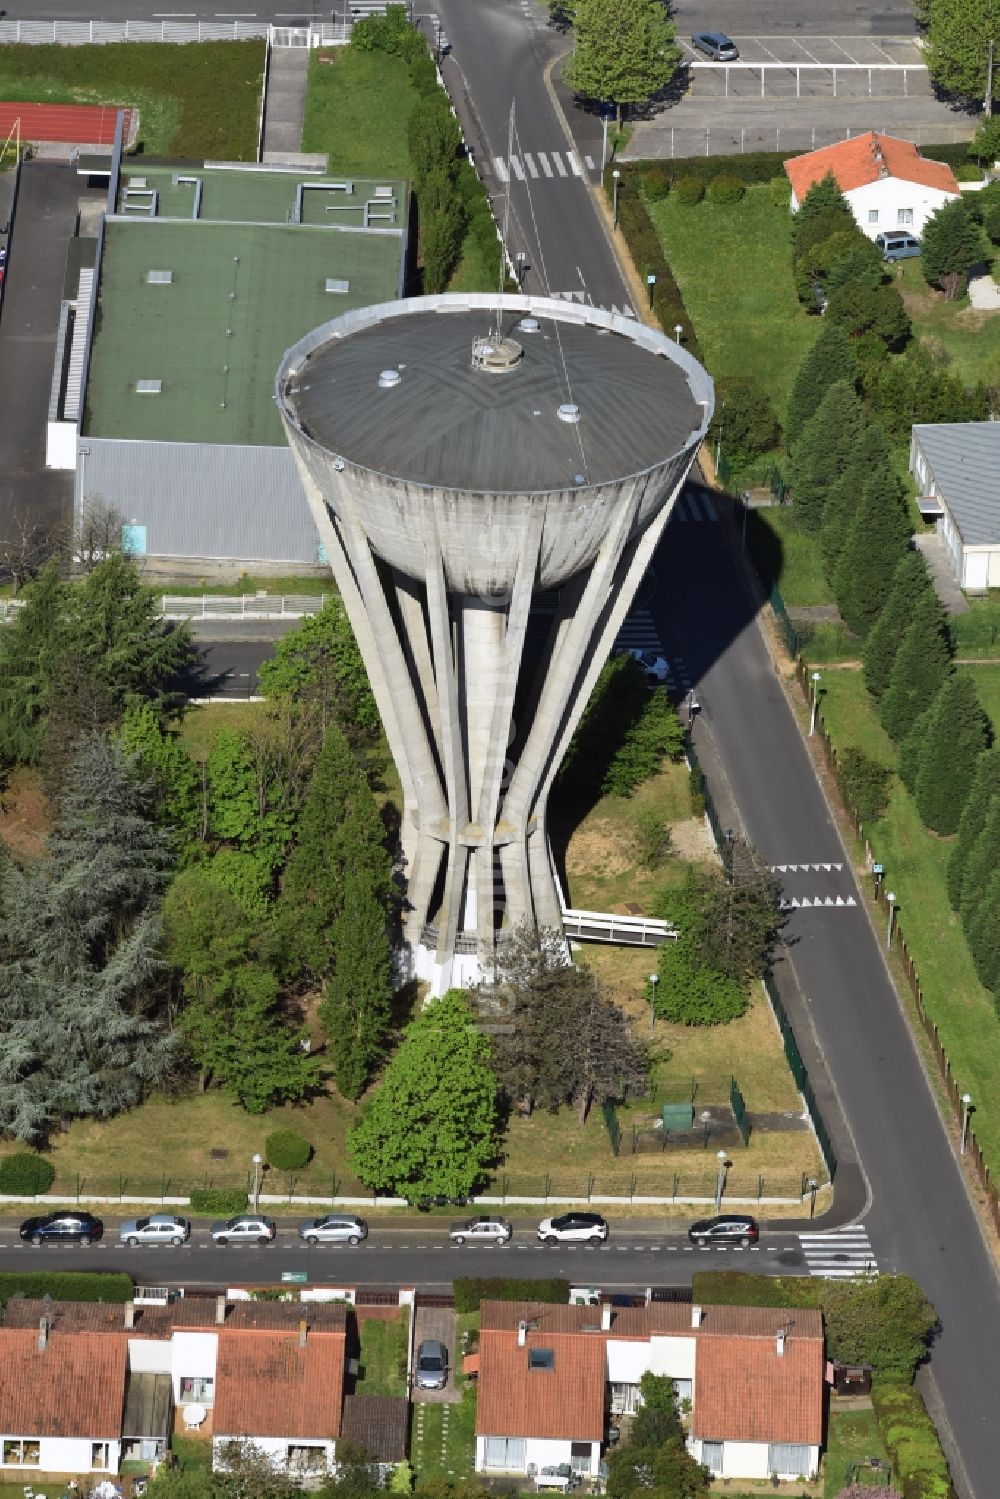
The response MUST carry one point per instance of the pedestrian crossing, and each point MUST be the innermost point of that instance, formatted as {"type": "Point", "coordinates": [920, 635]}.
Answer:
{"type": "Point", "coordinates": [540, 166]}
{"type": "Point", "coordinates": [842, 1254]}
{"type": "Point", "coordinates": [693, 507]}
{"type": "Point", "coordinates": [577, 295]}
{"type": "Point", "coordinates": [805, 868]}
{"type": "Point", "coordinates": [797, 902]}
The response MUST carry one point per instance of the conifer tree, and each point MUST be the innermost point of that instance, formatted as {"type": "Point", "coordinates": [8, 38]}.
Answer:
{"type": "Point", "coordinates": [876, 542]}
{"type": "Point", "coordinates": [870, 457]}
{"type": "Point", "coordinates": [822, 452]}
{"type": "Point", "coordinates": [980, 866]}
{"type": "Point", "coordinates": [911, 749]}
{"type": "Point", "coordinates": [982, 933]}
{"type": "Point", "coordinates": [909, 583]}
{"type": "Point", "coordinates": [952, 244]}
{"type": "Point", "coordinates": [830, 359]}
{"type": "Point", "coordinates": [357, 1005]}
{"type": "Point", "coordinates": [985, 787]}
{"type": "Point", "coordinates": [922, 662]}
{"type": "Point", "coordinates": [956, 734]}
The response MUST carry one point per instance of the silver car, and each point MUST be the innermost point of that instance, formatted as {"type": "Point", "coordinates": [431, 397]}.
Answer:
{"type": "Point", "coordinates": [431, 1370]}
{"type": "Point", "coordinates": [334, 1229]}
{"type": "Point", "coordinates": [248, 1228]}
{"type": "Point", "coordinates": [482, 1230]}
{"type": "Point", "coordinates": [159, 1228]}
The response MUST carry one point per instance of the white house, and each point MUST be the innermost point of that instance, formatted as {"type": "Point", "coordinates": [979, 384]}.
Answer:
{"type": "Point", "coordinates": [551, 1378]}
{"type": "Point", "coordinates": [886, 181]}
{"type": "Point", "coordinates": [957, 466]}
{"type": "Point", "coordinates": [61, 1402]}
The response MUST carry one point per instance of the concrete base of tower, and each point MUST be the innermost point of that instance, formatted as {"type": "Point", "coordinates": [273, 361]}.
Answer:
{"type": "Point", "coordinates": [460, 971]}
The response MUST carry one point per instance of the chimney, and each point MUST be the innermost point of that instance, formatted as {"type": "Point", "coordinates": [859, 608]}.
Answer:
{"type": "Point", "coordinates": [522, 1334]}
{"type": "Point", "coordinates": [779, 1342]}
{"type": "Point", "coordinates": [606, 1310]}
{"type": "Point", "coordinates": [43, 1334]}
{"type": "Point", "coordinates": [303, 1332]}
{"type": "Point", "coordinates": [130, 1314]}
{"type": "Point", "coordinates": [220, 1310]}
{"type": "Point", "coordinates": [696, 1316]}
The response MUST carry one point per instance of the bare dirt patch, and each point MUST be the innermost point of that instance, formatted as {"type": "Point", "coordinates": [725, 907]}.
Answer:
{"type": "Point", "coordinates": [24, 815]}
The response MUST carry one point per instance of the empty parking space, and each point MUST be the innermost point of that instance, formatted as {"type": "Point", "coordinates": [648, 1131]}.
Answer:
{"type": "Point", "coordinates": [826, 50]}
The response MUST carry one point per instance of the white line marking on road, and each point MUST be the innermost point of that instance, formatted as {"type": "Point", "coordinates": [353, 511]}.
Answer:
{"type": "Point", "coordinates": [500, 167]}
{"type": "Point", "coordinates": [577, 169]}
{"type": "Point", "coordinates": [532, 169]}
{"type": "Point", "coordinates": [590, 163]}
{"type": "Point", "coordinates": [543, 158]}
{"type": "Point", "coordinates": [557, 163]}
{"type": "Point", "coordinates": [519, 171]}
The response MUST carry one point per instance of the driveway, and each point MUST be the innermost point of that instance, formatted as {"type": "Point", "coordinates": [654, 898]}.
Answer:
{"type": "Point", "coordinates": [437, 1322]}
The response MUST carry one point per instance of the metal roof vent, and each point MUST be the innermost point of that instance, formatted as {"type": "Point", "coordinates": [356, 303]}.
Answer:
{"type": "Point", "coordinates": [388, 378]}
{"type": "Point", "coordinates": [335, 285]}
{"type": "Point", "coordinates": [159, 278]}
{"type": "Point", "coordinates": [497, 355]}
{"type": "Point", "coordinates": [528, 325]}
{"type": "Point", "coordinates": [148, 387]}
{"type": "Point", "coordinates": [568, 412]}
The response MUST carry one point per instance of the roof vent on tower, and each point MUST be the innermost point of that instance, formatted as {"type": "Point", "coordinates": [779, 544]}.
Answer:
{"type": "Point", "coordinates": [496, 354]}
{"type": "Point", "coordinates": [528, 325]}
{"type": "Point", "coordinates": [388, 378]}
{"type": "Point", "coordinates": [568, 412]}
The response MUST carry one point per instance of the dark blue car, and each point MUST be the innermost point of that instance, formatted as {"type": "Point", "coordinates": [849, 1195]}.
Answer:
{"type": "Point", "coordinates": [63, 1228]}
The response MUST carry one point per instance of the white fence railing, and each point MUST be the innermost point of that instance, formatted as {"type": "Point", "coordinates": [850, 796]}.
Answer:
{"type": "Point", "coordinates": [242, 606]}
{"type": "Point", "coordinates": [84, 33]}
{"type": "Point", "coordinates": [625, 931]}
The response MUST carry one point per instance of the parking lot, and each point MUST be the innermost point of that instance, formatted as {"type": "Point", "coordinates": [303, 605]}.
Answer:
{"type": "Point", "coordinates": [817, 66]}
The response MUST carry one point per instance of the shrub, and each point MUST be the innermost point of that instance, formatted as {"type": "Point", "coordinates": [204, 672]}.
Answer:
{"type": "Point", "coordinates": [865, 784]}
{"type": "Point", "coordinates": [65, 1285]}
{"type": "Point", "coordinates": [745, 422]}
{"type": "Point", "coordinates": [781, 192]}
{"type": "Point", "coordinates": [221, 1202]}
{"type": "Point", "coordinates": [967, 171]}
{"type": "Point", "coordinates": [725, 189]}
{"type": "Point", "coordinates": [471, 1290]}
{"type": "Point", "coordinates": [654, 842]}
{"type": "Point", "coordinates": [656, 184]}
{"type": "Point", "coordinates": [910, 1439]}
{"type": "Point", "coordinates": [26, 1174]}
{"type": "Point", "coordinates": [689, 191]}
{"type": "Point", "coordinates": [287, 1151]}
{"type": "Point", "coordinates": [657, 735]}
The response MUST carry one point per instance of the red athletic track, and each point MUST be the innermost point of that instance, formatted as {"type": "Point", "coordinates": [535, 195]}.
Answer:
{"type": "Point", "coordinates": [76, 124]}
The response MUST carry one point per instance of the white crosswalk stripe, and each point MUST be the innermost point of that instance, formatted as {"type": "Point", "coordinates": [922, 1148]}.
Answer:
{"type": "Point", "coordinates": [518, 170]}
{"type": "Point", "coordinates": [639, 633]}
{"type": "Point", "coordinates": [500, 167]}
{"type": "Point", "coordinates": [544, 163]}
{"type": "Point", "coordinates": [551, 164]}
{"type": "Point", "coordinates": [691, 507]}
{"type": "Point", "coordinates": [805, 868]}
{"type": "Point", "coordinates": [557, 163]}
{"type": "Point", "coordinates": [575, 167]}
{"type": "Point", "coordinates": [798, 901]}
{"type": "Point", "coordinates": [842, 1254]}
{"type": "Point", "coordinates": [532, 169]}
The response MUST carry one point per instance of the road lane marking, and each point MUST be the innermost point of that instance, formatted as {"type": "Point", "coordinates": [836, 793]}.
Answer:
{"type": "Point", "coordinates": [544, 161]}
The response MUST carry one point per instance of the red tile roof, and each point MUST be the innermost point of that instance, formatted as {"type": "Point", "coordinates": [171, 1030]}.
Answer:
{"type": "Point", "coordinates": [566, 1401]}
{"type": "Point", "coordinates": [856, 162]}
{"type": "Point", "coordinates": [745, 1391]}
{"type": "Point", "coordinates": [74, 1387]}
{"type": "Point", "coordinates": [267, 1384]}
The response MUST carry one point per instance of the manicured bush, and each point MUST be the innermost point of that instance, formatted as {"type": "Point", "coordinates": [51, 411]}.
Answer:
{"type": "Point", "coordinates": [752, 168]}
{"type": "Point", "coordinates": [725, 189]}
{"type": "Point", "coordinates": [689, 190]}
{"type": "Point", "coordinates": [781, 192]}
{"type": "Point", "coordinates": [647, 255]}
{"type": "Point", "coordinates": [64, 1285]}
{"type": "Point", "coordinates": [656, 184]}
{"type": "Point", "coordinates": [866, 784]}
{"type": "Point", "coordinates": [471, 1290]}
{"type": "Point", "coordinates": [911, 1440]}
{"type": "Point", "coordinates": [287, 1151]}
{"type": "Point", "coordinates": [26, 1174]}
{"type": "Point", "coordinates": [221, 1202]}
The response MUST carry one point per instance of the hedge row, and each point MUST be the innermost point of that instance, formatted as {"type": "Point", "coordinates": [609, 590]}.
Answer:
{"type": "Point", "coordinates": [220, 1201]}
{"type": "Point", "coordinates": [736, 1288]}
{"type": "Point", "coordinates": [470, 1290]}
{"type": "Point", "coordinates": [647, 256]}
{"type": "Point", "coordinates": [763, 166]}
{"type": "Point", "coordinates": [64, 1285]}
{"type": "Point", "coordinates": [911, 1440]}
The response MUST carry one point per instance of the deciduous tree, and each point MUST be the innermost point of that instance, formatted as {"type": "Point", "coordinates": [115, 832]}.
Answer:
{"type": "Point", "coordinates": [319, 665]}
{"type": "Point", "coordinates": [430, 1127]}
{"type": "Point", "coordinates": [909, 583]}
{"type": "Point", "coordinates": [657, 735]}
{"type": "Point", "coordinates": [952, 244]}
{"type": "Point", "coordinates": [957, 733]}
{"type": "Point", "coordinates": [922, 662]}
{"type": "Point", "coordinates": [180, 800]}
{"type": "Point", "coordinates": [654, 1461]}
{"type": "Point", "coordinates": [689, 991]}
{"type": "Point", "coordinates": [625, 51]}
{"type": "Point", "coordinates": [957, 46]}
{"type": "Point", "coordinates": [866, 783]}
{"type": "Point", "coordinates": [745, 423]}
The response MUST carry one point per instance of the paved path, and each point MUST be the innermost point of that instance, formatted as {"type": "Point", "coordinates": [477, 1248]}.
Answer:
{"type": "Point", "coordinates": [286, 99]}
{"type": "Point", "coordinates": [437, 1322]}
{"type": "Point", "coordinates": [953, 600]}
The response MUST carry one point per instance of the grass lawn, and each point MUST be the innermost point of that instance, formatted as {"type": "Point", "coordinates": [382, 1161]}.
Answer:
{"type": "Point", "coordinates": [733, 266]}
{"type": "Point", "coordinates": [852, 1436]}
{"type": "Point", "coordinates": [382, 1358]}
{"type": "Point", "coordinates": [970, 340]}
{"type": "Point", "coordinates": [918, 862]}
{"type": "Point", "coordinates": [784, 554]}
{"type": "Point", "coordinates": [199, 101]}
{"type": "Point", "coordinates": [357, 108]}
{"type": "Point", "coordinates": [443, 1438]}
{"type": "Point", "coordinates": [987, 680]}
{"type": "Point", "coordinates": [202, 724]}
{"type": "Point", "coordinates": [308, 583]}
{"type": "Point", "coordinates": [978, 632]}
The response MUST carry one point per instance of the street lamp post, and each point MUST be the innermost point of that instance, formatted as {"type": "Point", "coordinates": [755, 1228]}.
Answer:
{"type": "Point", "coordinates": [654, 979]}
{"type": "Point", "coordinates": [720, 1180]}
{"type": "Point", "coordinates": [815, 703]}
{"type": "Point", "coordinates": [966, 1106]}
{"type": "Point", "coordinates": [678, 330]}
{"type": "Point", "coordinates": [521, 261]}
{"type": "Point", "coordinates": [615, 177]}
{"type": "Point", "coordinates": [258, 1161]}
{"type": "Point", "coordinates": [813, 1186]}
{"type": "Point", "coordinates": [891, 899]}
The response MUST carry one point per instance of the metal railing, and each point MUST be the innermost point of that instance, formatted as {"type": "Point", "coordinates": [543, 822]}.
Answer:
{"type": "Point", "coordinates": [86, 33]}
{"type": "Point", "coordinates": [242, 606]}
{"type": "Point", "coordinates": [729, 140]}
{"type": "Point", "coordinates": [626, 931]}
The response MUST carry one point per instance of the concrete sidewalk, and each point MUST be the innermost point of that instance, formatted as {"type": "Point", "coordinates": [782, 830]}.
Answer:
{"type": "Point", "coordinates": [285, 110]}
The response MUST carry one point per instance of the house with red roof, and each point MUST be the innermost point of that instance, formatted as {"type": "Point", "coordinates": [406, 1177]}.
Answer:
{"type": "Point", "coordinates": [886, 181]}
{"type": "Point", "coordinates": [553, 1379]}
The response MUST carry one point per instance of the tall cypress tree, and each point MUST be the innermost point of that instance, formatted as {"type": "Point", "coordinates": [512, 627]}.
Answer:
{"type": "Point", "coordinates": [911, 750]}
{"type": "Point", "coordinates": [830, 359]}
{"type": "Point", "coordinates": [957, 733]}
{"type": "Point", "coordinates": [983, 935]}
{"type": "Point", "coordinates": [356, 1007]}
{"type": "Point", "coordinates": [822, 452]}
{"type": "Point", "coordinates": [870, 457]}
{"type": "Point", "coordinates": [921, 665]}
{"type": "Point", "coordinates": [909, 582]}
{"type": "Point", "coordinates": [980, 866]}
{"type": "Point", "coordinates": [876, 542]}
{"type": "Point", "coordinates": [984, 789]}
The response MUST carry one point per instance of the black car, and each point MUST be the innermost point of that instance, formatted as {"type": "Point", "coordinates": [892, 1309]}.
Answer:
{"type": "Point", "coordinates": [727, 1228]}
{"type": "Point", "coordinates": [63, 1228]}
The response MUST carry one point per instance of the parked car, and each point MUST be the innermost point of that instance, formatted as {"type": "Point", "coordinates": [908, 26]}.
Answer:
{"type": "Point", "coordinates": [62, 1228]}
{"type": "Point", "coordinates": [431, 1372]}
{"type": "Point", "coordinates": [897, 245]}
{"type": "Point", "coordinates": [482, 1230]}
{"type": "Point", "coordinates": [159, 1228]}
{"type": "Point", "coordinates": [335, 1228]}
{"type": "Point", "coordinates": [572, 1228]}
{"type": "Point", "coordinates": [726, 1228]}
{"type": "Point", "coordinates": [716, 45]}
{"type": "Point", "coordinates": [248, 1228]}
{"type": "Point", "coordinates": [656, 667]}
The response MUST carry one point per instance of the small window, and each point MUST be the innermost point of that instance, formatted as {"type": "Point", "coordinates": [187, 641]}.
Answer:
{"type": "Point", "coordinates": [904, 215]}
{"type": "Point", "coordinates": [99, 1456]}
{"type": "Point", "coordinates": [711, 1456]}
{"type": "Point", "coordinates": [541, 1358]}
{"type": "Point", "coordinates": [21, 1452]}
{"type": "Point", "coordinates": [789, 1460]}
{"type": "Point", "coordinates": [873, 215]}
{"type": "Point", "coordinates": [195, 1389]}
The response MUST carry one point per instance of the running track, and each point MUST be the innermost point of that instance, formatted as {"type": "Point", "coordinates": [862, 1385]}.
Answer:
{"type": "Point", "coordinates": [75, 124]}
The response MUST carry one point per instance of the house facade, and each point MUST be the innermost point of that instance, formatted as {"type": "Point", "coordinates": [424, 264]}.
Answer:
{"type": "Point", "coordinates": [956, 465]}
{"type": "Point", "coordinates": [886, 181]}
{"type": "Point", "coordinates": [554, 1379]}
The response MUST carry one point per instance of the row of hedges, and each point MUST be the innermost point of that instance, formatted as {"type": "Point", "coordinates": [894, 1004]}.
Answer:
{"type": "Point", "coordinates": [648, 258]}
{"type": "Point", "coordinates": [761, 166]}
{"type": "Point", "coordinates": [64, 1285]}
{"type": "Point", "coordinates": [470, 1290]}
{"type": "Point", "coordinates": [911, 1440]}
{"type": "Point", "coordinates": [221, 1202]}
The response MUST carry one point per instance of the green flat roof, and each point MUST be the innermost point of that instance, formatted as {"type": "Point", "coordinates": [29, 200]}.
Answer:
{"type": "Point", "coordinates": [253, 195]}
{"type": "Point", "coordinates": [216, 353]}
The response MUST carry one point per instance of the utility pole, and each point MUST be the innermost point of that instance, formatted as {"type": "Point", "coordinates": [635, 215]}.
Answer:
{"type": "Point", "coordinates": [988, 101]}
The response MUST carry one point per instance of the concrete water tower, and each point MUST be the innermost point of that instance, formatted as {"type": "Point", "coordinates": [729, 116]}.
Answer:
{"type": "Point", "coordinates": [463, 455]}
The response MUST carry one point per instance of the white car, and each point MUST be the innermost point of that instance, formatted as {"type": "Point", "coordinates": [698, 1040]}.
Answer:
{"type": "Point", "coordinates": [482, 1230]}
{"type": "Point", "coordinates": [248, 1228]}
{"type": "Point", "coordinates": [335, 1228]}
{"type": "Point", "coordinates": [656, 667]}
{"type": "Point", "coordinates": [573, 1228]}
{"type": "Point", "coordinates": [159, 1228]}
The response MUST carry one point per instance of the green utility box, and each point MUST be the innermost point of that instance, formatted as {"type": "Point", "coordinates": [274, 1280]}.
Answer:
{"type": "Point", "coordinates": [677, 1116]}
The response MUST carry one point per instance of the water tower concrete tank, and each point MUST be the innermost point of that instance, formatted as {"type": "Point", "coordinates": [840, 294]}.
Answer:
{"type": "Point", "coordinates": [467, 458]}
